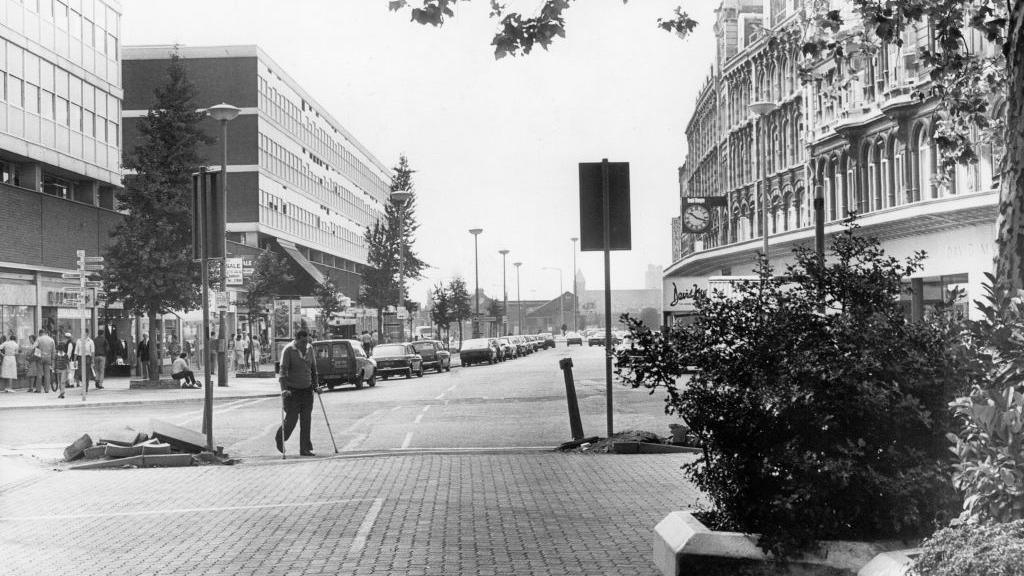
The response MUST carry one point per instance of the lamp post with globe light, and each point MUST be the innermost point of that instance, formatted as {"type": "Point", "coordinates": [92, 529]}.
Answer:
{"type": "Point", "coordinates": [519, 298]}
{"type": "Point", "coordinates": [476, 279]}
{"type": "Point", "coordinates": [575, 296]}
{"type": "Point", "coordinates": [504, 290]}
{"type": "Point", "coordinates": [399, 198]}
{"type": "Point", "coordinates": [223, 113]}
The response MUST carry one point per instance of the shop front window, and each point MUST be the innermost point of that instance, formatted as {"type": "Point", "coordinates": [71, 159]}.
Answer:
{"type": "Point", "coordinates": [18, 322]}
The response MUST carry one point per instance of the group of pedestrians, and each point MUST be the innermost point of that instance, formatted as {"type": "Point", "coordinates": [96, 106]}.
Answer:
{"type": "Point", "coordinates": [48, 361]}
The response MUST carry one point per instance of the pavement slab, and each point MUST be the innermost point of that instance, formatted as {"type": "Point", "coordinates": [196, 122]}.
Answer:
{"type": "Point", "coordinates": [539, 513]}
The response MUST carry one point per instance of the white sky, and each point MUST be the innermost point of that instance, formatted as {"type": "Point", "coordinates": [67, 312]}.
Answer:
{"type": "Point", "coordinates": [495, 143]}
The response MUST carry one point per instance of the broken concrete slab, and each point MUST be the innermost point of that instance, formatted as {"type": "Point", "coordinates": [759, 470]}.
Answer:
{"type": "Point", "coordinates": [77, 449]}
{"type": "Point", "coordinates": [179, 438]}
{"type": "Point", "coordinates": [94, 452]}
{"type": "Point", "coordinates": [145, 461]}
{"type": "Point", "coordinates": [116, 451]}
{"type": "Point", "coordinates": [123, 437]}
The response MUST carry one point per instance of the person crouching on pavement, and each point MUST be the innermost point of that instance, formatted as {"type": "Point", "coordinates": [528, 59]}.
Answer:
{"type": "Point", "coordinates": [180, 371]}
{"type": "Point", "coordinates": [298, 380]}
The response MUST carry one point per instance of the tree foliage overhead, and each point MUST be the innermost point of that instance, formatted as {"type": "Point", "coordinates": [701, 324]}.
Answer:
{"type": "Point", "coordinates": [518, 34]}
{"type": "Point", "coordinates": [270, 277]}
{"type": "Point", "coordinates": [330, 301]}
{"type": "Point", "coordinates": [149, 267]}
{"type": "Point", "coordinates": [442, 312]}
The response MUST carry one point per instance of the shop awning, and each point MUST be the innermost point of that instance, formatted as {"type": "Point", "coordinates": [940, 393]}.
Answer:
{"type": "Point", "coordinates": [302, 261]}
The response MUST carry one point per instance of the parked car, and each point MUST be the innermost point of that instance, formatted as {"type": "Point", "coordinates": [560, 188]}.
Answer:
{"type": "Point", "coordinates": [573, 338]}
{"type": "Point", "coordinates": [548, 339]}
{"type": "Point", "coordinates": [477, 351]}
{"type": "Point", "coordinates": [596, 338]}
{"type": "Point", "coordinates": [509, 347]}
{"type": "Point", "coordinates": [343, 362]}
{"type": "Point", "coordinates": [434, 354]}
{"type": "Point", "coordinates": [397, 359]}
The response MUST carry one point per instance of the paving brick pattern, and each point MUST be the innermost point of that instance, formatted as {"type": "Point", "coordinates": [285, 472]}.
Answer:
{"type": "Point", "coordinates": [527, 513]}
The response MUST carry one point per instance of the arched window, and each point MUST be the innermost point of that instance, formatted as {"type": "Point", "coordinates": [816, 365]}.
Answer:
{"type": "Point", "coordinates": [800, 216]}
{"type": "Point", "coordinates": [775, 212]}
{"type": "Point", "coordinates": [845, 178]}
{"type": "Point", "coordinates": [925, 164]}
{"type": "Point", "coordinates": [785, 160]}
{"type": "Point", "coordinates": [788, 211]}
{"type": "Point", "coordinates": [734, 223]}
{"type": "Point", "coordinates": [878, 168]}
{"type": "Point", "coordinates": [833, 197]}
{"type": "Point", "coordinates": [892, 174]}
{"type": "Point", "coordinates": [864, 186]}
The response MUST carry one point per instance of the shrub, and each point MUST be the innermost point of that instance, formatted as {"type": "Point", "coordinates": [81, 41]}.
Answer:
{"type": "Point", "coordinates": [990, 445]}
{"type": "Point", "coordinates": [973, 550]}
{"type": "Point", "coordinates": [821, 411]}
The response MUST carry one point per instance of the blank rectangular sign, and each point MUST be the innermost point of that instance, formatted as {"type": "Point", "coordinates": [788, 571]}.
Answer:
{"type": "Point", "coordinates": [592, 206]}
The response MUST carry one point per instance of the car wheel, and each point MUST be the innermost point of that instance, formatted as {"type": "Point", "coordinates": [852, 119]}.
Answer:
{"type": "Point", "coordinates": [383, 376]}
{"type": "Point", "coordinates": [448, 368]}
{"type": "Point", "coordinates": [440, 367]}
{"type": "Point", "coordinates": [490, 360]}
{"type": "Point", "coordinates": [372, 380]}
{"type": "Point", "coordinates": [408, 373]}
{"type": "Point", "coordinates": [420, 373]}
{"type": "Point", "coordinates": [330, 386]}
{"type": "Point", "coordinates": [359, 382]}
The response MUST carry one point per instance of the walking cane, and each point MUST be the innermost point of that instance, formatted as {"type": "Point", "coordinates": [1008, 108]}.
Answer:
{"type": "Point", "coordinates": [329, 431]}
{"type": "Point", "coordinates": [283, 446]}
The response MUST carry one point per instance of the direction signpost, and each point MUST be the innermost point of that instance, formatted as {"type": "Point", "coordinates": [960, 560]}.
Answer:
{"type": "Point", "coordinates": [86, 266]}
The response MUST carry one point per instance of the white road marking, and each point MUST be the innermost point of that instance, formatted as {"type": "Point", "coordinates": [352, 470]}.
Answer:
{"type": "Point", "coordinates": [407, 441]}
{"type": "Point", "coordinates": [450, 388]}
{"type": "Point", "coordinates": [245, 403]}
{"type": "Point", "coordinates": [183, 510]}
{"type": "Point", "coordinates": [359, 542]}
{"type": "Point", "coordinates": [439, 396]}
{"type": "Point", "coordinates": [353, 443]}
{"type": "Point", "coordinates": [427, 407]}
{"type": "Point", "coordinates": [396, 408]}
{"type": "Point", "coordinates": [418, 418]}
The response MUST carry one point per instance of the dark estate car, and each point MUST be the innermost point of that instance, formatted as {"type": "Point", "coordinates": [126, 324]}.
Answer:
{"type": "Point", "coordinates": [478, 351]}
{"type": "Point", "coordinates": [596, 338]}
{"type": "Point", "coordinates": [397, 359]}
{"type": "Point", "coordinates": [434, 354]}
{"type": "Point", "coordinates": [547, 340]}
{"type": "Point", "coordinates": [343, 362]}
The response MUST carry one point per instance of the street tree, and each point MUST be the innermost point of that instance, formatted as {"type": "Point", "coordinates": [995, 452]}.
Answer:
{"type": "Point", "coordinates": [271, 276]}
{"type": "Point", "coordinates": [330, 300]}
{"type": "Point", "coordinates": [390, 240]}
{"type": "Point", "coordinates": [441, 310]}
{"type": "Point", "coordinates": [462, 308]}
{"type": "Point", "coordinates": [980, 92]}
{"type": "Point", "coordinates": [149, 266]}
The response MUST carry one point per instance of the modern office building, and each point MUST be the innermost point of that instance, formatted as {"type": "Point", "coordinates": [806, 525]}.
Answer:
{"type": "Point", "coordinates": [866, 148]}
{"type": "Point", "coordinates": [298, 182]}
{"type": "Point", "coordinates": [60, 152]}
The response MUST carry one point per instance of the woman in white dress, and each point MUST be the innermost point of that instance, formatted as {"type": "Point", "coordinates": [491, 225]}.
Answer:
{"type": "Point", "coordinates": [9, 364]}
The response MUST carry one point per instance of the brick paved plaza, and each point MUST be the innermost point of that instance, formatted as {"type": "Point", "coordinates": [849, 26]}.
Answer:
{"type": "Point", "coordinates": [532, 513]}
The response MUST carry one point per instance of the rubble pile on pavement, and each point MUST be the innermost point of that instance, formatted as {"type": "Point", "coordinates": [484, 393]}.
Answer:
{"type": "Point", "coordinates": [635, 442]}
{"type": "Point", "coordinates": [165, 446]}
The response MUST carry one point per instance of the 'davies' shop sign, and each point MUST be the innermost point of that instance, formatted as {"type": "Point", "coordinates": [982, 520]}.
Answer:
{"type": "Point", "coordinates": [60, 297]}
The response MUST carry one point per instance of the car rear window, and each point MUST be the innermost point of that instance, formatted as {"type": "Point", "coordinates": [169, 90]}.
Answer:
{"type": "Point", "coordinates": [420, 347]}
{"type": "Point", "coordinates": [389, 349]}
{"type": "Point", "coordinates": [339, 350]}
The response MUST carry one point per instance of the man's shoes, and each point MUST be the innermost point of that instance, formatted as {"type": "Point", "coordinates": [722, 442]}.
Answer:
{"type": "Point", "coordinates": [99, 386]}
{"type": "Point", "coordinates": [61, 396]}
{"type": "Point", "coordinates": [307, 453]}
{"type": "Point", "coordinates": [279, 442]}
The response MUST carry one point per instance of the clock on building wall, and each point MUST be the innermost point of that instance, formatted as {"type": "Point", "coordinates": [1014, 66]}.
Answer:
{"type": "Point", "coordinates": [696, 212]}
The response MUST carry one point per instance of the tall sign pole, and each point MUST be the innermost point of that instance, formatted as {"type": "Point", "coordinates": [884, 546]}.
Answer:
{"type": "Point", "coordinates": [605, 226]}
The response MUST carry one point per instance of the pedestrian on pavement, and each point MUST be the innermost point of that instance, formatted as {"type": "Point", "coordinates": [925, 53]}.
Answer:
{"type": "Point", "coordinates": [256, 352]}
{"type": "Point", "coordinates": [85, 351]}
{"type": "Point", "coordinates": [100, 360]}
{"type": "Point", "coordinates": [247, 351]}
{"type": "Point", "coordinates": [8, 362]}
{"type": "Point", "coordinates": [180, 371]}
{"type": "Point", "coordinates": [365, 339]}
{"type": "Point", "coordinates": [62, 362]}
{"type": "Point", "coordinates": [239, 353]}
{"type": "Point", "coordinates": [32, 363]}
{"type": "Point", "coordinates": [298, 380]}
{"type": "Point", "coordinates": [142, 353]}
{"type": "Point", "coordinates": [47, 350]}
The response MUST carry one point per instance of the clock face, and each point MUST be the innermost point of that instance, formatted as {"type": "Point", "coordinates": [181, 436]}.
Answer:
{"type": "Point", "coordinates": [696, 218]}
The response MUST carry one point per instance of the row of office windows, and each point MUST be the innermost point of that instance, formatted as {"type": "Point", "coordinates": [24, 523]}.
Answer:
{"type": "Point", "coordinates": [39, 87]}
{"type": "Point", "coordinates": [302, 220]}
{"type": "Point", "coordinates": [294, 170]}
{"type": "Point", "coordinates": [322, 144]}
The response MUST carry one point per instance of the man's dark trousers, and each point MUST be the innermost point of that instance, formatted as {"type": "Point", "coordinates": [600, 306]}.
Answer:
{"type": "Point", "coordinates": [298, 408]}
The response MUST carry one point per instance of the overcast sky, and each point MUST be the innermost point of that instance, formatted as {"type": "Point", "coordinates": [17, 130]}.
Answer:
{"type": "Point", "coordinates": [495, 143]}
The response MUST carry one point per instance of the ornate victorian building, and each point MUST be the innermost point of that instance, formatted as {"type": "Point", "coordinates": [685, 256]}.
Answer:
{"type": "Point", "coordinates": [861, 137]}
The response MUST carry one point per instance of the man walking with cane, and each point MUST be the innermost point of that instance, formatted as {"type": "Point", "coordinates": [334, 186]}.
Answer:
{"type": "Point", "coordinates": [298, 379]}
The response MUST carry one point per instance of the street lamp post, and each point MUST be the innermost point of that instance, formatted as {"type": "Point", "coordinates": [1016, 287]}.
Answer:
{"type": "Point", "coordinates": [476, 275]}
{"type": "Point", "coordinates": [519, 298]}
{"type": "Point", "coordinates": [561, 300]}
{"type": "Point", "coordinates": [575, 297]}
{"type": "Point", "coordinates": [504, 290]}
{"type": "Point", "coordinates": [223, 113]}
{"type": "Point", "coordinates": [400, 198]}
{"type": "Point", "coordinates": [761, 109]}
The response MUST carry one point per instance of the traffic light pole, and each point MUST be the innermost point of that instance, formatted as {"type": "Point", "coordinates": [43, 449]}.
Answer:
{"type": "Point", "coordinates": [205, 340]}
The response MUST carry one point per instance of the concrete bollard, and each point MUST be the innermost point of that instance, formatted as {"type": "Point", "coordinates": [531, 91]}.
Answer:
{"type": "Point", "coordinates": [575, 425]}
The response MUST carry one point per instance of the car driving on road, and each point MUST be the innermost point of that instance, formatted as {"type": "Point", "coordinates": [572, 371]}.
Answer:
{"type": "Point", "coordinates": [397, 359]}
{"type": "Point", "coordinates": [573, 338]}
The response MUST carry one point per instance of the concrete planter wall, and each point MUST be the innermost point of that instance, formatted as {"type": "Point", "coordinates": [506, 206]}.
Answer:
{"type": "Point", "coordinates": [683, 547]}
